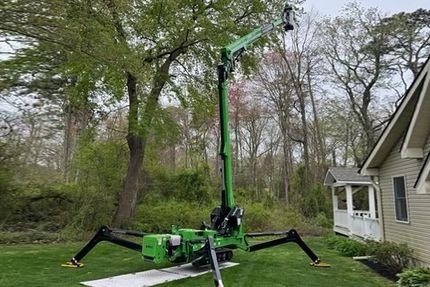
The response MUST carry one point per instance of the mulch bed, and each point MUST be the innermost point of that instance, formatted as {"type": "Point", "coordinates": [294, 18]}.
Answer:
{"type": "Point", "coordinates": [380, 270]}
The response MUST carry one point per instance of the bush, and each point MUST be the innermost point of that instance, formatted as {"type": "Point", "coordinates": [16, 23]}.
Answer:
{"type": "Point", "coordinates": [257, 217]}
{"type": "Point", "coordinates": [191, 185]}
{"type": "Point", "coordinates": [262, 217]}
{"type": "Point", "coordinates": [394, 257]}
{"type": "Point", "coordinates": [346, 246]}
{"type": "Point", "coordinates": [415, 277]}
{"type": "Point", "coordinates": [159, 216]}
{"type": "Point", "coordinates": [155, 215]}
{"type": "Point", "coordinates": [321, 220]}
{"type": "Point", "coordinates": [310, 200]}
{"type": "Point", "coordinates": [38, 207]}
{"type": "Point", "coordinates": [90, 210]}
{"type": "Point", "coordinates": [28, 237]}
{"type": "Point", "coordinates": [7, 196]}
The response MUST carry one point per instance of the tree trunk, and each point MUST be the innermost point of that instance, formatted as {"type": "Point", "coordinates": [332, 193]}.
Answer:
{"type": "Point", "coordinates": [286, 174]}
{"type": "Point", "coordinates": [137, 140]}
{"type": "Point", "coordinates": [67, 142]}
{"type": "Point", "coordinates": [236, 170]}
{"type": "Point", "coordinates": [347, 136]}
{"type": "Point", "coordinates": [305, 139]}
{"type": "Point", "coordinates": [296, 76]}
{"type": "Point", "coordinates": [320, 150]}
{"type": "Point", "coordinates": [128, 197]}
{"type": "Point", "coordinates": [286, 148]}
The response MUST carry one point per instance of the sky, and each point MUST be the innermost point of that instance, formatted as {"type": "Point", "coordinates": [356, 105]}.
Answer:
{"type": "Point", "coordinates": [332, 7]}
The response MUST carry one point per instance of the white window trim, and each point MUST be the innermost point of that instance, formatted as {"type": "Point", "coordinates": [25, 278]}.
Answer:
{"type": "Point", "coordinates": [423, 185]}
{"type": "Point", "coordinates": [406, 197]}
{"type": "Point", "coordinates": [406, 150]}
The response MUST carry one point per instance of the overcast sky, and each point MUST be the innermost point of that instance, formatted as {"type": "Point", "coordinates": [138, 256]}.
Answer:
{"type": "Point", "coordinates": [332, 7]}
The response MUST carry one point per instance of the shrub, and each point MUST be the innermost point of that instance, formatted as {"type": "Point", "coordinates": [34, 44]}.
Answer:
{"type": "Point", "coordinates": [191, 185]}
{"type": "Point", "coordinates": [322, 221]}
{"type": "Point", "coordinates": [155, 215]}
{"type": "Point", "coordinates": [90, 210]}
{"type": "Point", "coordinates": [158, 216]}
{"type": "Point", "coordinates": [285, 218]}
{"type": "Point", "coordinates": [310, 200]}
{"type": "Point", "coordinates": [261, 216]}
{"type": "Point", "coordinates": [257, 217]}
{"type": "Point", "coordinates": [37, 207]}
{"type": "Point", "coordinates": [346, 246]}
{"type": "Point", "coordinates": [7, 196]}
{"type": "Point", "coordinates": [394, 257]}
{"type": "Point", "coordinates": [415, 277]}
{"type": "Point", "coordinates": [28, 237]}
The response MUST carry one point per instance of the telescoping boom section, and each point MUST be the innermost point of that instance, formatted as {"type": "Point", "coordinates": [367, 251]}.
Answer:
{"type": "Point", "coordinates": [215, 241]}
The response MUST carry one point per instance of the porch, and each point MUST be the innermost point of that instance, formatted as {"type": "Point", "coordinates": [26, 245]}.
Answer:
{"type": "Point", "coordinates": [354, 204]}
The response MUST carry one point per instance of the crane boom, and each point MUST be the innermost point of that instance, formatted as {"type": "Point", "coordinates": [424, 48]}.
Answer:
{"type": "Point", "coordinates": [230, 55]}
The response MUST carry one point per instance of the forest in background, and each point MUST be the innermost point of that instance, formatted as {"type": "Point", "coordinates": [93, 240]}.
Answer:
{"type": "Point", "coordinates": [108, 110]}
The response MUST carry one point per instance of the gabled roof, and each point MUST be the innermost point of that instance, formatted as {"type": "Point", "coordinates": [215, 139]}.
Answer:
{"type": "Point", "coordinates": [345, 175]}
{"type": "Point", "coordinates": [401, 124]}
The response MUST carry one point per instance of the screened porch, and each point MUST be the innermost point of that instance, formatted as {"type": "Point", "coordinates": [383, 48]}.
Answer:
{"type": "Point", "coordinates": [355, 210]}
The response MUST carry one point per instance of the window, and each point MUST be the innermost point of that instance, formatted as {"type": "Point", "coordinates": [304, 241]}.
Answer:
{"type": "Point", "coordinates": [400, 201]}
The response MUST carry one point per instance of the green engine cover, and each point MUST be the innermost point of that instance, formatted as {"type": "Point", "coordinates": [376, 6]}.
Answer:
{"type": "Point", "coordinates": [155, 247]}
{"type": "Point", "coordinates": [160, 248]}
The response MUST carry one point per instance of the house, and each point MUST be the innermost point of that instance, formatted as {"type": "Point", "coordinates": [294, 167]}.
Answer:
{"type": "Point", "coordinates": [399, 169]}
{"type": "Point", "coordinates": [354, 204]}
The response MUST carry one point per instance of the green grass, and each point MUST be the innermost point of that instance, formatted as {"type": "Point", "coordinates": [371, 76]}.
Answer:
{"type": "Point", "coordinates": [39, 265]}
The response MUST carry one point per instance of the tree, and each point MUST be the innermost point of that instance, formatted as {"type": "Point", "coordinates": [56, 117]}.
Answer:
{"type": "Point", "coordinates": [133, 47]}
{"type": "Point", "coordinates": [276, 90]}
{"type": "Point", "coordinates": [356, 48]}
{"type": "Point", "coordinates": [237, 96]}
{"type": "Point", "coordinates": [302, 55]}
{"type": "Point", "coordinates": [409, 35]}
{"type": "Point", "coordinates": [254, 121]}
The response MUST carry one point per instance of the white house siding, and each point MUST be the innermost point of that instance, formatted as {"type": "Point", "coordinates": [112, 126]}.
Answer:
{"type": "Point", "coordinates": [416, 233]}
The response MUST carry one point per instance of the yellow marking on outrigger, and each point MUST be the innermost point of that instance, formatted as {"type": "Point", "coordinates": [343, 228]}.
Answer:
{"type": "Point", "coordinates": [320, 264]}
{"type": "Point", "coordinates": [71, 265]}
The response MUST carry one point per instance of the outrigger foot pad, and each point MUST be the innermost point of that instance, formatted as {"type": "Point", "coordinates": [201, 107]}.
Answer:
{"type": "Point", "coordinates": [105, 234]}
{"type": "Point", "coordinates": [73, 263]}
{"type": "Point", "coordinates": [320, 264]}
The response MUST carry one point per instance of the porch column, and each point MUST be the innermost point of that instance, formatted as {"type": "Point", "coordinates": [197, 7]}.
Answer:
{"type": "Point", "coordinates": [335, 207]}
{"type": "Point", "coordinates": [372, 205]}
{"type": "Point", "coordinates": [334, 198]}
{"type": "Point", "coordinates": [349, 207]}
{"type": "Point", "coordinates": [349, 203]}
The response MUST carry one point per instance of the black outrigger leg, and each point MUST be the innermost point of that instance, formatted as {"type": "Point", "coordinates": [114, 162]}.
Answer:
{"type": "Point", "coordinates": [288, 236]}
{"type": "Point", "coordinates": [210, 249]}
{"type": "Point", "coordinates": [106, 234]}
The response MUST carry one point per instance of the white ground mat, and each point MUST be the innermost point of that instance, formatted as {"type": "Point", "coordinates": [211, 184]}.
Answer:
{"type": "Point", "coordinates": [154, 277]}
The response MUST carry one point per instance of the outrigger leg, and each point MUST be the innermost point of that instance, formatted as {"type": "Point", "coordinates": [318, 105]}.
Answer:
{"type": "Point", "coordinates": [105, 234]}
{"type": "Point", "coordinates": [210, 249]}
{"type": "Point", "coordinates": [288, 236]}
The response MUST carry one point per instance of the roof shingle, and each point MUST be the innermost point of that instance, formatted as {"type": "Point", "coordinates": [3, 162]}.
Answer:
{"type": "Point", "coordinates": [346, 174]}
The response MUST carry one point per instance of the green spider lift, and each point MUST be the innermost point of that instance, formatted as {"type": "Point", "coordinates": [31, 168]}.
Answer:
{"type": "Point", "coordinates": [213, 242]}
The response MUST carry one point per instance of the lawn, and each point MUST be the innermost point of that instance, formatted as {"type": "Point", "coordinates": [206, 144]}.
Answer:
{"type": "Point", "coordinates": [39, 265]}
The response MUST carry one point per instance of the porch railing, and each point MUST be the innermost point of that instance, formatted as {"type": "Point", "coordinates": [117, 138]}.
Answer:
{"type": "Point", "coordinates": [359, 224]}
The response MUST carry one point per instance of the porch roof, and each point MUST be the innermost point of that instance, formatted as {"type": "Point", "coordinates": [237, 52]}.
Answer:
{"type": "Point", "coordinates": [345, 176]}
